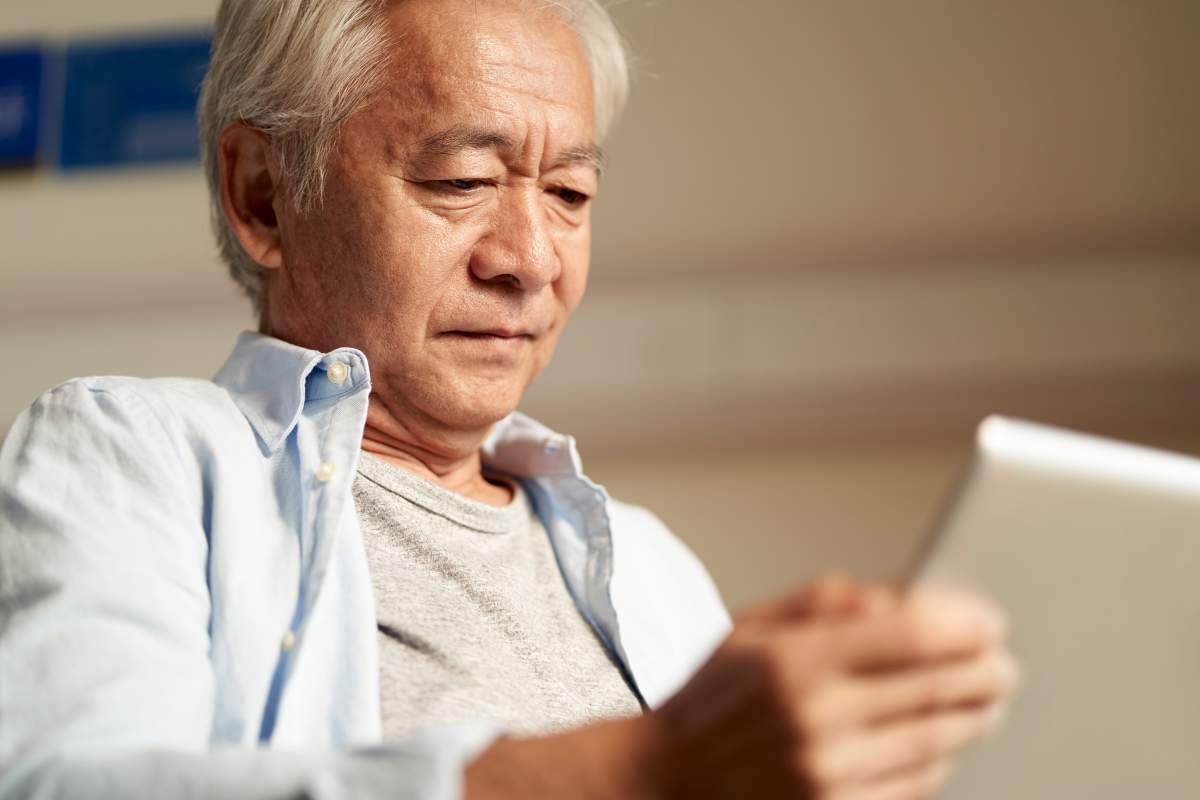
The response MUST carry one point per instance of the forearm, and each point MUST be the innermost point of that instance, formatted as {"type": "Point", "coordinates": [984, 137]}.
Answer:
{"type": "Point", "coordinates": [614, 760]}
{"type": "Point", "coordinates": [427, 766]}
{"type": "Point", "coordinates": [606, 761]}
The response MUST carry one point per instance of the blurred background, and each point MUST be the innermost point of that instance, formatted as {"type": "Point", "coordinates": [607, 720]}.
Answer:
{"type": "Point", "coordinates": [834, 235]}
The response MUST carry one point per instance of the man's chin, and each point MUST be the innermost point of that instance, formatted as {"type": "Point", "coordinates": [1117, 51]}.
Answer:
{"type": "Point", "coordinates": [477, 418]}
{"type": "Point", "coordinates": [479, 410]}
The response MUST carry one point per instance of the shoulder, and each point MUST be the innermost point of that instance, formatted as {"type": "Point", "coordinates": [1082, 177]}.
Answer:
{"type": "Point", "coordinates": [169, 399]}
{"type": "Point", "coordinates": [654, 537]}
{"type": "Point", "coordinates": [161, 393]}
{"type": "Point", "coordinates": [105, 459]}
{"type": "Point", "coordinates": [655, 553]}
{"type": "Point", "coordinates": [114, 415]}
{"type": "Point", "coordinates": [672, 614]}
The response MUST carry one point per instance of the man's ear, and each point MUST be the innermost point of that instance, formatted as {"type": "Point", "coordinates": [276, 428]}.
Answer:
{"type": "Point", "coordinates": [249, 185]}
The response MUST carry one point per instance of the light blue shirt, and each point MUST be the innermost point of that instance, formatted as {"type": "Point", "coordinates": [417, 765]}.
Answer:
{"type": "Point", "coordinates": [185, 607]}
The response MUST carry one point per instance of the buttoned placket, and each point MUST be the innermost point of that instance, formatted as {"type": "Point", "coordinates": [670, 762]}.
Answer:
{"type": "Point", "coordinates": [327, 435]}
{"type": "Point", "coordinates": [339, 416]}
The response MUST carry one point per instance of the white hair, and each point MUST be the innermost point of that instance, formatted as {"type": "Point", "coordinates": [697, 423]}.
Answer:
{"type": "Point", "coordinates": [297, 69]}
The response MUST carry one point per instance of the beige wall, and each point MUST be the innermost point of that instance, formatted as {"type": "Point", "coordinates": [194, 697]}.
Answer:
{"type": "Point", "coordinates": [833, 235]}
{"type": "Point", "coordinates": [790, 133]}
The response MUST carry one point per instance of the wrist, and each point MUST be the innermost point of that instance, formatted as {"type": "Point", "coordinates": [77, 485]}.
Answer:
{"type": "Point", "coordinates": [637, 746]}
{"type": "Point", "coordinates": [612, 760]}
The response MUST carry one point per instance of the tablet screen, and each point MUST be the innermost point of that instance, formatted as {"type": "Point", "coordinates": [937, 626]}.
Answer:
{"type": "Point", "coordinates": [1093, 548]}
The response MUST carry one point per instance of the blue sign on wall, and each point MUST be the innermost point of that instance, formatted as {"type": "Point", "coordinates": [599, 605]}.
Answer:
{"type": "Point", "coordinates": [132, 101]}
{"type": "Point", "coordinates": [21, 75]}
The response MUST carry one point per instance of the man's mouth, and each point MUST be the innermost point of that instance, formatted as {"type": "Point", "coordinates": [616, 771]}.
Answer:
{"type": "Point", "coordinates": [498, 339]}
{"type": "Point", "coordinates": [498, 333]}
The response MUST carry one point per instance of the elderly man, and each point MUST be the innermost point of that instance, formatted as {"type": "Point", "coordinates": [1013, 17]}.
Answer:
{"type": "Point", "coordinates": [347, 567]}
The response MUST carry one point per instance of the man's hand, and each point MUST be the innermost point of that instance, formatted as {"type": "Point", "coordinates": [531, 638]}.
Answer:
{"type": "Point", "coordinates": [838, 691]}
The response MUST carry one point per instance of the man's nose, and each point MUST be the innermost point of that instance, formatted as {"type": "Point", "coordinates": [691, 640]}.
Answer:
{"type": "Point", "coordinates": [519, 246]}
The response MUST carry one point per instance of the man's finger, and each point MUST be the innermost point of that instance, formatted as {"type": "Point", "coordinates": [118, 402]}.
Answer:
{"type": "Point", "coordinates": [863, 699]}
{"type": "Point", "coordinates": [911, 743]}
{"type": "Point", "coordinates": [927, 626]}
{"type": "Point", "coordinates": [908, 784]}
{"type": "Point", "coordinates": [829, 596]}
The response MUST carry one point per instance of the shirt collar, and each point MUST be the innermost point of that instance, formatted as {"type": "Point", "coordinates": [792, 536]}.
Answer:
{"type": "Point", "coordinates": [523, 447]}
{"type": "Point", "coordinates": [271, 380]}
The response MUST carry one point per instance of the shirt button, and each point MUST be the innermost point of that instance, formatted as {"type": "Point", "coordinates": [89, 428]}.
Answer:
{"type": "Point", "coordinates": [289, 639]}
{"type": "Point", "coordinates": [325, 471]}
{"type": "Point", "coordinates": [337, 372]}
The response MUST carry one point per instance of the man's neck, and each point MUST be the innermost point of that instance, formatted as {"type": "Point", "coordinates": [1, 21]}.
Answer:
{"type": "Point", "coordinates": [451, 459]}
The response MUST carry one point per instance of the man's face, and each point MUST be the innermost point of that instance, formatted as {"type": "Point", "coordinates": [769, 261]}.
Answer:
{"type": "Point", "coordinates": [454, 237]}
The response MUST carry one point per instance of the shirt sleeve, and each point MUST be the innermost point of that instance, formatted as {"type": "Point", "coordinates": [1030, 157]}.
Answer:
{"type": "Point", "coordinates": [106, 687]}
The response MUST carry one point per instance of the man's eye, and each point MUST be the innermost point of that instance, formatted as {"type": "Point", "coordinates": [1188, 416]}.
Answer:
{"type": "Point", "coordinates": [463, 184]}
{"type": "Point", "coordinates": [571, 197]}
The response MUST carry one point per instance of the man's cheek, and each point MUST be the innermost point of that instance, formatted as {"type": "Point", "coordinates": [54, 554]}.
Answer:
{"type": "Point", "coordinates": [544, 352]}
{"type": "Point", "coordinates": [444, 246]}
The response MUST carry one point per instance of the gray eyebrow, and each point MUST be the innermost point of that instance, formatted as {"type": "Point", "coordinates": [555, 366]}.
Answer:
{"type": "Point", "coordinates": [591, 154]}
{"type": "Point", "coordinates": [454, 140]}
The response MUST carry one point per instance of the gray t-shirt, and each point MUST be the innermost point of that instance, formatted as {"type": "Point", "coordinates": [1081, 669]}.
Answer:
{"type": "Point", "coordinates": [475, 620]}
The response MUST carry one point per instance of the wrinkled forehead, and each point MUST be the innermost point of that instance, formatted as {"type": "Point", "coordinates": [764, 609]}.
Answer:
{"type": "Point", "coordinates": [484, 58]}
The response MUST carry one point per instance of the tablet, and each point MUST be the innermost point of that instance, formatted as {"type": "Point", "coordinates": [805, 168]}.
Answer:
{"type": "Point", "coordinates": [1093, 548]}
